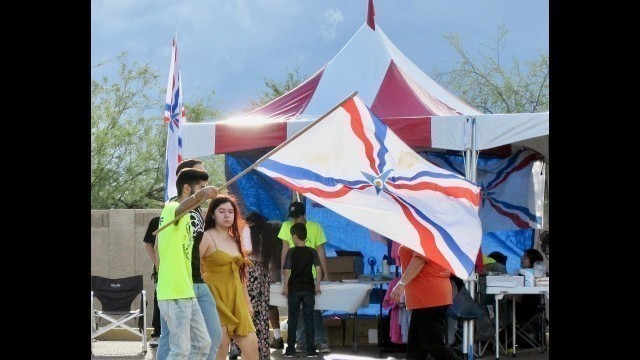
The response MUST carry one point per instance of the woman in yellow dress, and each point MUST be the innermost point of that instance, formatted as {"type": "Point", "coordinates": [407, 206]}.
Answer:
{"type": "Point", "coordinates": [224, 269]}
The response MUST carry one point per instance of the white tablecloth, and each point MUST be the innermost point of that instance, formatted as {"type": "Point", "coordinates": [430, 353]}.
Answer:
{"type": "Point", "coordinates": [335, 296]}
{"type": "Point", "coordinates": [499, 290]}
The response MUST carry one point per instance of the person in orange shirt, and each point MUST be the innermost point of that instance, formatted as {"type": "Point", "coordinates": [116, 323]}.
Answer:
{"type": "Point", "coordinates": [428, 294]}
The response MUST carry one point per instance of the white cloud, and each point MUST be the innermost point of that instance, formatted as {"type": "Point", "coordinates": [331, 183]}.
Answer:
{"type": "Point", "coordinates": [333, 17]}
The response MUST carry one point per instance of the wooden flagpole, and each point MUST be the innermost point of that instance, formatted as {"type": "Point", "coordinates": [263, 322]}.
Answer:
{"type": "Point", "coordinates": [259, 161]}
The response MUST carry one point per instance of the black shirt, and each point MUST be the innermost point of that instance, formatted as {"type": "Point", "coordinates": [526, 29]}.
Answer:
{"type": "Point", "coordinates": [153, 226]}
{"type": "Point", "coordinates": [197, 228]}
{"type": "Point", "coordinates": [151, 239]}
{"type": "Point", "coordinates": [300, 260]}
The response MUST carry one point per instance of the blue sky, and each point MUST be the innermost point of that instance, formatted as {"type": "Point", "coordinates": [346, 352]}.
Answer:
{"type": "Point", "coordinates": [230, 45]}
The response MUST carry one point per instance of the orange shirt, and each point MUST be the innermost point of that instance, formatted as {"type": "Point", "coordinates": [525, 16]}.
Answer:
{"type": "Point", "coordinates": [431, 287]}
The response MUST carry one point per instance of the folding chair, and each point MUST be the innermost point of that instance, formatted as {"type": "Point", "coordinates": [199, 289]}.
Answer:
{"type": "Point", "coordinates": [116, 297]}
{"type": "Point", "coordinates": [532, 330]}
{"type": "Point", "coordinates": [484, 340]}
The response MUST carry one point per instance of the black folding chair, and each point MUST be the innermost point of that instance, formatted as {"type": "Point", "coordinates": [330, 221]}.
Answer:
{"type": "Point", "coordinates": [533, 329]}
{"type": "Point", "coordinates": [486, 339]}
{"type": "Point", "coordinates": [117, 297]}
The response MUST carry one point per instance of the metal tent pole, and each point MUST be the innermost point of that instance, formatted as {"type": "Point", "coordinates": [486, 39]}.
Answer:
{"type": "Point", "coordinates": [471, 168]}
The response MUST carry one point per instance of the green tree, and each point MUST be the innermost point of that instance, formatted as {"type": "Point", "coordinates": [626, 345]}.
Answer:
{"type": "Point", "coordinates": [202, 109]}
{"type": "Point", "coordinates": [128, 137]}
{"type": "Point", "coordinates": [127, 145]}
{"type": "Point", "coordinates": [493, 85]}
{"type": "Point", "coordinates": [275, 88]}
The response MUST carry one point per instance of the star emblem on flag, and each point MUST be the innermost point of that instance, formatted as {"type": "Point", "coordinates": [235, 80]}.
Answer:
{"type": "Point", "coordinates": [378, 181]}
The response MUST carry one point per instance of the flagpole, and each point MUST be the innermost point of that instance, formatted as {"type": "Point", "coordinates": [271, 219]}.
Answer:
{"type": "Point", "coordinates": [259, 161]}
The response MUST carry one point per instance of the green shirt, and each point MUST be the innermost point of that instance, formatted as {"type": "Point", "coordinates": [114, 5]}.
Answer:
{"type": "Point", "coordinates": [315, 236]}
{"type": "Point", "coordinates": [175, 244]}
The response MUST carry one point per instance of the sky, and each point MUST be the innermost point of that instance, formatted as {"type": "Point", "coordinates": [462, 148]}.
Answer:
{"type": "Point", "coordinates": [230, 46]}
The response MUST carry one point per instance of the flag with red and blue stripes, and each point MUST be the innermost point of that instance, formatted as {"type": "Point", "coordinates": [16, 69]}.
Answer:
{"type": "Point", "coordinates": [511, 189]}
{"type": "Point", "coordinates": [175, 118]}
{"type": "Point", "coordinates": [351, 163]}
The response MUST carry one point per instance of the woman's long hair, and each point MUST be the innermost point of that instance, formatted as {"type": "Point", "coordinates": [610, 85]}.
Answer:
{"type": "Point", "coordinates": [262, 238]}
{"type": "Point", "coordinates": [209, 223]}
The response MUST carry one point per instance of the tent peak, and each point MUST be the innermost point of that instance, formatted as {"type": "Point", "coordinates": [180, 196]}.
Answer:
{"type": "Point", "coordinates": [370, 14]}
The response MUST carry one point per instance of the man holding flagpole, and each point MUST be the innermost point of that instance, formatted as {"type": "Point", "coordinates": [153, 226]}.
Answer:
{"type": "Point", "coordinates": [180, 311]}
{"type": "Point", "coordinates": [201, 290]}
{"type": "Point", "coordinates": [184, 293]}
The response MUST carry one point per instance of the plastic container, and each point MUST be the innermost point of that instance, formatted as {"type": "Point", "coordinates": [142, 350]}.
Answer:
{"type": "Point", "coordinates": [528, 277]}
{"type": "Point", "coordinates": [385, 268]}
{"type": "Point", "coordinates": [539, 269]}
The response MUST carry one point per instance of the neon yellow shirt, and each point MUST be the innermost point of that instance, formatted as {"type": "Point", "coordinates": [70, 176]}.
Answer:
{"type": "Point", "coordinates": [487, 260]}
{"type": "Point", "coordinates": [315, 236]}
{"type": "Point", "coordinates": [174, 249]}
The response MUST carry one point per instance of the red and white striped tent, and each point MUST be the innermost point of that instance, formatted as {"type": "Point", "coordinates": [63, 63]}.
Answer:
{"type": "Point", "coordinates": [421, 112]}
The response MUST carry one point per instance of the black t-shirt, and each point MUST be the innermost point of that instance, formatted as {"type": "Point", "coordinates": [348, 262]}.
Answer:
{"type": "Point", "coordinates": [300, 260]}
{"type": "Point", "coordinates": [149, 238]}
{"type": "Point", "coordinates": [153, 226]}
{"type": "Point", "coordinates": [197, 227]}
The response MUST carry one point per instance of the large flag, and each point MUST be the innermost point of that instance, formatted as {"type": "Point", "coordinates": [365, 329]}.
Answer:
{"type": "Point", "coordinates": [512, 189]}
{"type": "Point", "coordinates": [174, 116]}
{"type": "Point", "coordinates": [354, 165]}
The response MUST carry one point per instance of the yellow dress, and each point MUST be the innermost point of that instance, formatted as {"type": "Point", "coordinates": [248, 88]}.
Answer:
{"type": "Point", "coordinates": [223, 278]}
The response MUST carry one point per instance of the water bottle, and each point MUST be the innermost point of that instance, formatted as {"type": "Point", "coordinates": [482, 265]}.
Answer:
{"type": "Point", "coordinates": [385, 268]}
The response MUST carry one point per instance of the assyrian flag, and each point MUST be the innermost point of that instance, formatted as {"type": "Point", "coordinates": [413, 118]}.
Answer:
{"type": "Point", "coordinates": [512, 190]}
{"type": "Point", "coordinates": [174, 116]}
{"type": "Point", "coordinates": [354, 165]}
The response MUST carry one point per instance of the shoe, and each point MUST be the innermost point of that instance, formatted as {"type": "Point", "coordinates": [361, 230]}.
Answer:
{"type": "Point", "coordinates": [300, 349]}
{"type": "Point", "coordinates": [314, 354]}
{"type": "Point", "coordinates": [277, 343]}
{"type": "Point", "coordinates": [154, 342]}
{"type": "Point", "coordinates": [290, 353]}
{"type": "Point", "coordinates": [324, 348]}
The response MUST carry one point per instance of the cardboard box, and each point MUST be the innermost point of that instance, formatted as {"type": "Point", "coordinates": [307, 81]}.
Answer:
{"type": "Point", "coordinates": [362, 332]}
{"type": "Point", "coordinates": [331, 322]}
{"type": "Point", "coordinates": [336, 336]}
{"type": "Point", "coordinates": [345, 267]}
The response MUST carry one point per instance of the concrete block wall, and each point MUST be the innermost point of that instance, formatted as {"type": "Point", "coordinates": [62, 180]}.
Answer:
{"type": "Point", "coordinates": [117, 249]}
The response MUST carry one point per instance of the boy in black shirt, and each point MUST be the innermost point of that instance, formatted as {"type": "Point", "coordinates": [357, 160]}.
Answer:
{"type": "Point", "coordinates": [300, 287]}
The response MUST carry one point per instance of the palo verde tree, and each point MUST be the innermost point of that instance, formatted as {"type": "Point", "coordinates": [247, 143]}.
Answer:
{"type": "Point", "coordinates": [493, 84]}
{"type": "Point", "coordinates": [127, 143]}
{"type": "Point", "coordinates": [496, 84]}
{"type": "Point", "coordinates": [275, 88]}
{"type": "Point", "coordinates": [128, 137]}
